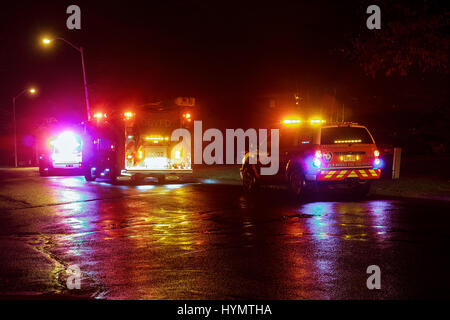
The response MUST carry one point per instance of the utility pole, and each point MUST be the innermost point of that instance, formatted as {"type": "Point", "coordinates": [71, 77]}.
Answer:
{"type": "Point", "coordinates": [31, 91]}
{"type": "Point", "coordinates": [15, 132]}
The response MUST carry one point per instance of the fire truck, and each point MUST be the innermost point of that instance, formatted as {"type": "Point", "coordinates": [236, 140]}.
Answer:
{"type": "Point", "coordinates": [315, 155]}
{"type": "Point", "coordinates": [137, 143]}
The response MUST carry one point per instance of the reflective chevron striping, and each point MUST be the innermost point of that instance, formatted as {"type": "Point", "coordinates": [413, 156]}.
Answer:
{"type": "Point", "coordinates": [342, 173]}
{"type": "Point", "coordinates": [337, 175]}
{"type": "Point", "coordinates": [373, 173]}
{"type": "Point", "coordinates": [330, 174]}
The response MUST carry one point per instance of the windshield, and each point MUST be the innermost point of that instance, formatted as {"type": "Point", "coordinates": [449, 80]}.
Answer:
{"type": "Point", "coordinates": [345, 135]}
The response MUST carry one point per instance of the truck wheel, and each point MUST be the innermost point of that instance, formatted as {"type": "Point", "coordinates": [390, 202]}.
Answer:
{"type": "Point", "coordinates": [43, 172]}
{"type": "Point", "coordinates": [89, 176]}
{"type": "Point", "coordinates": [249, 180]}
{"type": "Point", "coordinates": [297, 184]}
{"type": "Point", "coordinates": [113, 179]}
{"type": "Point", "coordinates": [362, 190]}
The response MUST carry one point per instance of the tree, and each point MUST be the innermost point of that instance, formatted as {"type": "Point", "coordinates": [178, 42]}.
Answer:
{"type": "Point", "coordinates": [411, 39]}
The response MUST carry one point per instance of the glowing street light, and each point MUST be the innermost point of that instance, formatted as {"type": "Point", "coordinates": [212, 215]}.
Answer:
{"type": "Point", "coordinates": [47, 41]}
{"type": "Point", "coordinates": [30, 91]}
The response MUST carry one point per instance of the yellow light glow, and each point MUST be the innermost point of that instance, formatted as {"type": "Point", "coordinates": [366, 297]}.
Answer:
{"type": "Point", "coordinates": [154, 138]}
{"type": "Point", "coordinates": [128, 115]}
{"type": "Point", "coordinates": [291, 121]}
{"type": "Point", "coordinates": [98, 115]}
{"type": "Point", "coordinates": [317, 121]}
{"type": "Point", "coordinates": [177, 154]}
{"type": "Point", "coordinates": [140, 154]}
{"type": "Point", "coordinates": [376, 153]}
{"type": "Point", "coordinates": [32, 90]}
{"type": "Point", "coordinates": [348, 141]}
{"type": "Point", "coordinates": [46, 41]}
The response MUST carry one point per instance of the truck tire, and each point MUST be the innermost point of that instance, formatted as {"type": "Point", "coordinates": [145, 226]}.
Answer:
{"type": "Point", "coordinates": [89, 176]}
{"type": "Point", "coordinates": [362, 190]}
{"type": "Point", "coordinates": [249, 180]}
{"type": "Point", "coordinates": [113, 179]}
{"type": "Point", "coordinates": [297, 184]}
{"type": "Point", "coordinates": [112, 176]}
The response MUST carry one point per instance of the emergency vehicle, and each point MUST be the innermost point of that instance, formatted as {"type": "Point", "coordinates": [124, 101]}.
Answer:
{"type": "Point", "coordinates": [315, 154]}
{"type": "Point", "coordinates": [136, 143]}
{"type": "Point", "coordinates": [62, 153]}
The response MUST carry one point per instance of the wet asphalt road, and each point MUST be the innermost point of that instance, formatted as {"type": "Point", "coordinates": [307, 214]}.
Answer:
{"type": "Point", "coordinates": [202, 240]}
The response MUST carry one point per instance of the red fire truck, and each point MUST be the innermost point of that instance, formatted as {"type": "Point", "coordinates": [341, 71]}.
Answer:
{"type": "Point", "coordinates": [137, 143]}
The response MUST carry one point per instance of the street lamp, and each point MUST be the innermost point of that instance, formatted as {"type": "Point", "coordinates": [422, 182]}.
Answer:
{"type": "Point", "coordinates": [31, 91]}
{"type": "Point", "coordinates": [47, 41]}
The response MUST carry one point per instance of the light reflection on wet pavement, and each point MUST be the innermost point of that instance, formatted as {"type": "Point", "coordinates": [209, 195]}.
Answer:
{"type": "Point", "coordinates": [209, 241]}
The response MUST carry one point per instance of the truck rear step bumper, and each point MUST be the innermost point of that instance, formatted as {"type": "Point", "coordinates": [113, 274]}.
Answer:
{"type": "Point", "coordinates": [151, 172]}
{"type": "Point", "coordinates": [339, 175]}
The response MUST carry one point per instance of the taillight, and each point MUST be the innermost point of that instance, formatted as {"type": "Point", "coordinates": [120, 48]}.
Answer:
{"type": "Point", "coordinates": [377, 163]}
{"type": "Point", "coordinates": [317, 162]}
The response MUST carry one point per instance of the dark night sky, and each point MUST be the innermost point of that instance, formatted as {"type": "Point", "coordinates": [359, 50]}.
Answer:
{"type": "Point", "coordinates": [226, 54]}
{"type": "Point", "coordinates": [219, 53]}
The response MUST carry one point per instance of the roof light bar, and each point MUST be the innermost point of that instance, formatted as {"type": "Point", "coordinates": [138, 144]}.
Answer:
{"type": "Point", "coordinates": [348, 141]}
{"type": "Point", "coordinates": [291, 121]}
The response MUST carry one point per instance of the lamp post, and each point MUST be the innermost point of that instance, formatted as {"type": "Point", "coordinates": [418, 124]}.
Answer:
{"type": "Point", "coordinates": [47, 41]}
{"type": "Point", "coordinates": [31, 91]}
